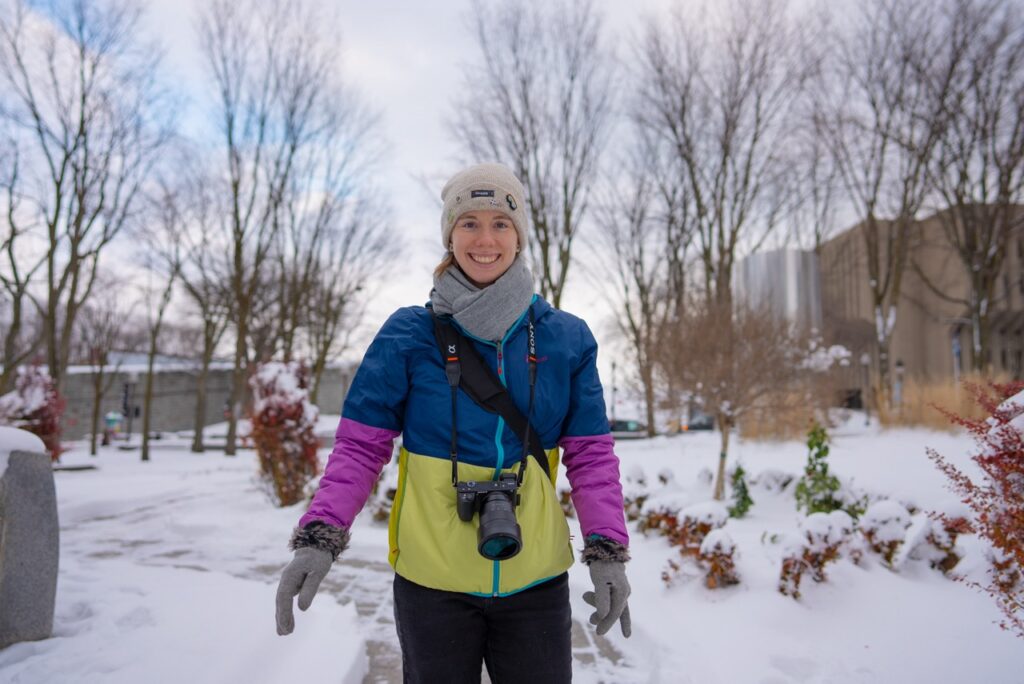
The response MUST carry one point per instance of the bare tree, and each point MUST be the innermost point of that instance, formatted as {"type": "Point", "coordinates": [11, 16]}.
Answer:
{"type": "Point", "coordinates": [721, 106]}
{"type": "Point", "coordinates": [273, 66]}
{"type": "Point", "coordinates": [883, 125]}
{"type": "Point", "coordinates": [346, 270]}
{"type": "Point", "coordinates": [103, 329]}
{"type": "Point", "coordinates": [732, 359]}
{"type": "Point", "coordinates": [332, 242]}
{"type": "Point", "coordinates": [637, 258]}
{"type": "Point", "coordinates": [80, 91]}
{"type": "Point", "coordinates": [978, 168]}
{"type": "Point", "coordinates": [539, 99]}
{"type": "Point", "coordinates": [15, 277]}
{"type": "Point", "coordinates": [163, 259]}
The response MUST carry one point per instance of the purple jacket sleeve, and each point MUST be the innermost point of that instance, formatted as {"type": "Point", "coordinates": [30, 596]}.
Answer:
{"type": "Point", "coordinates": [593, 472]}
{"type": "Point", "coordinates": [360, 453]}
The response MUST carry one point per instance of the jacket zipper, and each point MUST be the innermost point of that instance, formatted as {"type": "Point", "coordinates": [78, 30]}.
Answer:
{"type": "Point", "coordinates": [499, 345]}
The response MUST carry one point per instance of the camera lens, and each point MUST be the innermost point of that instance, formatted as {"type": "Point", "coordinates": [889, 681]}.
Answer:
{"type": "Point", "coordinates": [499, 537]}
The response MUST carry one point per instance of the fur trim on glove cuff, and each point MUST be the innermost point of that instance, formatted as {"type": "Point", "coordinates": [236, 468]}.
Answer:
{"type": "Point", "coordinates": [599, 548]}
{"type": "Point", "coordinates": [320, 535]}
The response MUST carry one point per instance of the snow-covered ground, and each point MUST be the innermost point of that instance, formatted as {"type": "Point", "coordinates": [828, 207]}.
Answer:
{"type": "Point", "coordinates": [168, 571]}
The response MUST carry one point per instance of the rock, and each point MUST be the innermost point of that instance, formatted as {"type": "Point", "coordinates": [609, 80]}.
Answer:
{"type": "Point", "coordinates": [29, 545]}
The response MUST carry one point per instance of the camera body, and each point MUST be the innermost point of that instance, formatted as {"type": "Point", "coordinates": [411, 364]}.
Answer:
{"type": "Point", "coordinates": [499, 536]}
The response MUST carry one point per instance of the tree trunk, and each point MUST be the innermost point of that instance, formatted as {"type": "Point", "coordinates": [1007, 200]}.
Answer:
{"type": "Point", "coordinates": [237, 385]}
{"type": "Point", "coordinates": [147, 400]}
{"type": "Point", "coordinates": [723, 429]}
{"type": "Point", "coordinates": [647, 376]}
{"type": "Point", "coordinates": [199, 423]}
{"type": "Point", "coordinates": [97, 399]}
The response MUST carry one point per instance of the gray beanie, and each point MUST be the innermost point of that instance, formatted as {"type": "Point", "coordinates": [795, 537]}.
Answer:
{"type": "Point", "coordinates": [490, 187]}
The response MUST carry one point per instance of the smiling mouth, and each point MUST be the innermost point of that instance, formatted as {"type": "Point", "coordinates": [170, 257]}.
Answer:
{"type": "Point", "coordinates": [484, 259]}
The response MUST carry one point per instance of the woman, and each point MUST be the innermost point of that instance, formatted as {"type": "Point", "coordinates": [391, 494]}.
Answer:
{"type": "Point", "coordinates": [482, 578]}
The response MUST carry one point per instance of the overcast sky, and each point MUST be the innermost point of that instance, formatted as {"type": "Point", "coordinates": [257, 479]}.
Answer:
{"type": "Point", "coordinates": [404, 57]}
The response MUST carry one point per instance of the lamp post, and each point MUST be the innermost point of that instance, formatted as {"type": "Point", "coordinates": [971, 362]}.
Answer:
{"type": "Point", "coordinates": [128, 403]}
{"type": "Point", "coordinates": [865, 362]}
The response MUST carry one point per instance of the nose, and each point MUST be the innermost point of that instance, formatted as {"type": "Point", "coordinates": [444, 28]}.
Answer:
{"type": "Point", "coordinates": [485, 236]}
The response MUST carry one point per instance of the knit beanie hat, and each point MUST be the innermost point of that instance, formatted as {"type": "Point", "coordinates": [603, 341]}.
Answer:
{"type": "Point", "coordinates": [491, 187]}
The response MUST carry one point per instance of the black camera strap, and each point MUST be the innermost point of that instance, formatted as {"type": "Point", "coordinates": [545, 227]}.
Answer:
{"type": "Point", "coordinates": [465, 368]}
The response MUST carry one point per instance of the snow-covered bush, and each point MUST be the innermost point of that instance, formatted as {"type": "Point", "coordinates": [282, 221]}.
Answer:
{"type": "Point", "coordinates": [705, 477]}
{"type": "Point", "coordinates": [934, 539]}
{"type": "Point", "coordinates": [383, 494]}
{"type": "Point", "coordinates": [660, 520]}
{"type": "Point", "coordinates": [716, 554]}
{"type": "Point", "coordinates": [685, 528]}
{"type": "Point", "coordinates": [997, 498]}
{"type": "Point", "coordinates": [634, 492]}
{"type": "Point", "coordinates": [772, 480]}
{"type": "Point", "coordinates": [696, 522]}
{"type": "Point", "coordinates": [822, 536]}
{"type": "Point", "coordinates": [283, 429]}
{"type": "Point", "coordinates": [565, 501]}
{"type": "Point", "coordinates": [741, 501]}
{"type": "Point", "coordinates": [36, 406]}
{"type": "Point", "coordinates": [884, 526]}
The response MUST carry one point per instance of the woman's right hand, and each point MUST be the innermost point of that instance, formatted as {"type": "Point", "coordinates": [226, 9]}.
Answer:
{"type": "Point", "coordinates": [302, 576]}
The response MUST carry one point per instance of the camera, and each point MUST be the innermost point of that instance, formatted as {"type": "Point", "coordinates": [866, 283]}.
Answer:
{"type": "Point", "coordinates": [498, 537]}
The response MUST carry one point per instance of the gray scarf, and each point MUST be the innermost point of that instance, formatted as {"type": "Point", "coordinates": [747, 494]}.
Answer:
{"type": "Point", "coordinates": [486, 312]}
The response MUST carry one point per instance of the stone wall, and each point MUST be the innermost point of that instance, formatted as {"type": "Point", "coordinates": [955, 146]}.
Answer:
{"type": "Point", "coordinates": [174, 398]}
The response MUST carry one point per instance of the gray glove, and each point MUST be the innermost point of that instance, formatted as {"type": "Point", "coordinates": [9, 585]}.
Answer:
{"type": "Point", "coordinates": [611, 589]}
{"type": "Point", "coordinates": [316, 547]}
{"type": "Point", "coordinates": [302, 576]}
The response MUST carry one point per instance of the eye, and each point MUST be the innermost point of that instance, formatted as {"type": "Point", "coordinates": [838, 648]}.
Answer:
{"type": "Point", "coordinates": [502, 224]}
{"type": "Point", "coordinates": [468, 224]}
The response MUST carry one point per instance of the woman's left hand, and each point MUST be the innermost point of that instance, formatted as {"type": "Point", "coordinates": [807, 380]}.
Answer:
{"type": "Point", "coordinates": [611, 590]}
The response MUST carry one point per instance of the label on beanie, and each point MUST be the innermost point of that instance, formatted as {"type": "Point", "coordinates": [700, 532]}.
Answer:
{"type": "Point", "coordinates": [481, 193]}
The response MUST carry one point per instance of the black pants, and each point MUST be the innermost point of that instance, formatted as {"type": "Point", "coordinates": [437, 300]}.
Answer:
{"type": "Point", "coordinates": [524, 637]}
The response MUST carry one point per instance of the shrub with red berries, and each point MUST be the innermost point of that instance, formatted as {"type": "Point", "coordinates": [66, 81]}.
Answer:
{"type": "Point", "coordinates": [996, 499]}
{"type": "Point", "coordinates": [35, 406]}
{"type": "Point", "coordinates": [283, 429]}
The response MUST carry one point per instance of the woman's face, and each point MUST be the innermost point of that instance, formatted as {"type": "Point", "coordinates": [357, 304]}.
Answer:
{"type": "Point", "coordinates": [484, 244]}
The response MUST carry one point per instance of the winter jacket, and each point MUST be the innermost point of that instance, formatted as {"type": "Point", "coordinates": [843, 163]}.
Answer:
{"type": "Point", "coordinates": [401, 388]}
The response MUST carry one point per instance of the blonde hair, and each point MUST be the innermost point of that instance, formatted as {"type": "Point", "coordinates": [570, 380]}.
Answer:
{"type": "Point", "coordinates": [446, 261]}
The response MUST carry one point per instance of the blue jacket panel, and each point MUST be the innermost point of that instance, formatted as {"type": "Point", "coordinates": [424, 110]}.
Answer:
{"type": "Point", "coordinates": [401, 385]}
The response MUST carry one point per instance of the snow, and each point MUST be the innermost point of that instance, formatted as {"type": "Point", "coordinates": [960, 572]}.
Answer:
{"type": "Point", "coordinates": [13, 439]}
{"type": "Point", "coordinates": [888, 519]}
{"type": "Point", "coordinates": [711, 512]}
{"type": "Point", "coordinates": [168, 572]}
{"type": "Point", "coordinates": [717, 541]}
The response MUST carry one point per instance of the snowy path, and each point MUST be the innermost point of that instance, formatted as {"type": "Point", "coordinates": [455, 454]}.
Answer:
{"type": "Point", "coordinates": [139, 540]}
{"type": "Point", "coordinates": [168, 572]}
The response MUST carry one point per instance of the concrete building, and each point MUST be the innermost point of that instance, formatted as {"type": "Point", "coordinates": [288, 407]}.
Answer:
{"type": "Point", "coordinates": [785, 280]}
{"type": "Point", "coordinates": [174, 395]}
{"type": "Point", "coordinates": [932, 336]}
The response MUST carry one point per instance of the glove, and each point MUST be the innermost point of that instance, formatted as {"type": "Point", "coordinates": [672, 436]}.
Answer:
{"type": "Point", "coordinates": [302, 576]}
{"type": "Point", "coordinates": [607, 560]}
{"type": "Point", "coordinates": [316, 547]}
{"type": "Point", "coordinates": [611, 589]}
